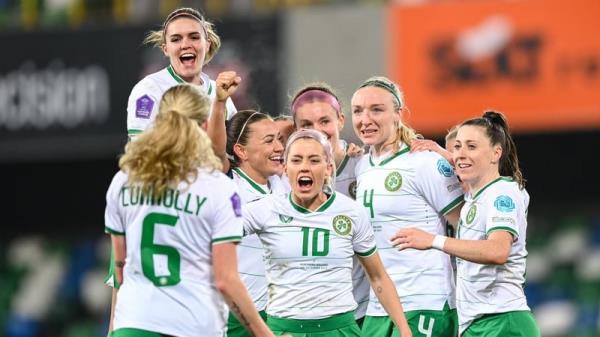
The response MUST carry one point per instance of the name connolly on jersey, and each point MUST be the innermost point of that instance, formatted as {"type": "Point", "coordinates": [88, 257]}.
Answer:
{"type": "Point", "coordinates": [190, 203]}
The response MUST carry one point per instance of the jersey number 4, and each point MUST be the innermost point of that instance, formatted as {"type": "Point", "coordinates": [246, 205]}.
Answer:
{"type": "Point", "coordinates": [151, 250]}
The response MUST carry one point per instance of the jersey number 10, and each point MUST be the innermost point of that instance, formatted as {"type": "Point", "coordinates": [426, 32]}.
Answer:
{"type": "Point", "coordinates": [312, 239]}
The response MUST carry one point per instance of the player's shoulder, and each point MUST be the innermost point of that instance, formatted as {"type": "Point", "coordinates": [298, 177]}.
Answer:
{"type": "Point", "coordinates": [213, 182]}
{"type": "Point", "coordinates": [118, 181]}
{"type": "Point", "coordinates": [504, 193]}
{"type": "Point", "coordinates": [151, 83]}
{"type": "Point", "coordinates": [120, 178]}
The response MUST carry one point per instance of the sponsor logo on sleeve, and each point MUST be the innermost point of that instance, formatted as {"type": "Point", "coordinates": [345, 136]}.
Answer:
{"type": "Point", "coordinates": [504, 204]}
{"type": "Point", "coordinates": [503, 219]}
{"type": "Point", "coordinates": [445, 168]}
{"type": "Point", "coordinates": [236, 205]}
{"type": "Point", "coordinates": [342, 225]}
{"type": "Point", "coordinates": [143, 107]}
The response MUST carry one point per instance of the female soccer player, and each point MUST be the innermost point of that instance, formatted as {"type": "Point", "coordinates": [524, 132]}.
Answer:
{"type": "Point", "coordinates": [316, 106]}
{"type": "Point", "coordinates": [174, 220]}
{"type": "Point", "coordinates": [309, 239]}
{"type": "Point", "coordinates": [490, 244]}
{"type": "Point", "coordinates": [402, 189]}
{"type": "Point", "coordinates": [190, 42]}
{"type": "Point", "coordinates": [256, 153]}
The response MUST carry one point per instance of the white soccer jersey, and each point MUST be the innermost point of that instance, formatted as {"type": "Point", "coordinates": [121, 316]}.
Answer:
{"type": "Point", "coordinates": [142, 106]}
{"type": "Point", "coordinates": [309, 254]}
{"type": "Point", "coordinates": [486, 289]}
{"type": "Point", "coordinates": [345, 183]}
{"type": "Point", "coordinates": [251, 264]}
{"type": "Point", "coordinates": [410, 190]}
{"type": "Point", "coordinates": [168, 284]}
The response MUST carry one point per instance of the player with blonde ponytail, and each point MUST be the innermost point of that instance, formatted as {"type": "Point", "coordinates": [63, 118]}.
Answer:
{"type": "Point", "coordinates": [174, 220]}
{"type": "Point", "coordinates": [400, 189]}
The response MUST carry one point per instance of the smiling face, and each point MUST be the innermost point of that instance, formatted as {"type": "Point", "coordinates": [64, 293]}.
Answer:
{"type": "Point", "coordinates": [374, 117]}
{"type": "Point", "coordinates": [261, 157]}
{"type": "Point", "coordinates": [307, 169]}
{"type": "Point", "coordinates": [186, 47]}
{"type": "Point", "coordinates": [322, 117]}
{"type": "Point", "coordinates": [475, 158]}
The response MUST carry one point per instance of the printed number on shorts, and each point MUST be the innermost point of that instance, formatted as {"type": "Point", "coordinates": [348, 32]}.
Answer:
{"type": "Point", "coordinates": [369, 203]}
{"type": "Point", "coordinates": [427, 331]}
{"type": "Point", "coordinates": [319, 241]}
{"type": "Point", "coordinates": [160, 264]}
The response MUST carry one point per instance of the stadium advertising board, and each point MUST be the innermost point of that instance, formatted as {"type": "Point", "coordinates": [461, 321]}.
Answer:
{"type": "Point", "coordinates": [538, 61]}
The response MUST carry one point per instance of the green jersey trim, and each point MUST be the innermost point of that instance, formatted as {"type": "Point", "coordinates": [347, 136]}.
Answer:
{"type": "Point", "coordinates": [503, 228]}
{"type": "Point", "coordinates": [385, 161]}
{"type": "Point", "coordinates": [134, 131]}
{"type": "Point", "coordinates": [368, 252]}
{"type": "Point", "coordinates": [490, 184]}
{"type": "Point", "coordinates": [226, 239]}
{"type": "Point", "coordinates": [252, 183]}
{"type": "Point", "coordinates": [452, 205]}
{"type": "Point", "coordinates": [209, 88]}
{"type": "Point", "coordinates": [321, 208]}
{"type": "Point", "coordinates": [340, 169]}
{"type": "Point", "coordinates": [112, 231]}
{"type": "Point", "coordinates": [176, 77]}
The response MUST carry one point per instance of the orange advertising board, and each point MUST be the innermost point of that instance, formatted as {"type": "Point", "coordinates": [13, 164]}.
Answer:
{"type": "Point", "coordinates": [538, 61]}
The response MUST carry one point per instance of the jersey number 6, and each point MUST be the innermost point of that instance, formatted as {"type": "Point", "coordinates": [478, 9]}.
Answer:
{"type": "Point", "coordinates": [150, 249]}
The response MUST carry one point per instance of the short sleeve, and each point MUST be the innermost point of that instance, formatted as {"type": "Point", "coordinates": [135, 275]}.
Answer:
{"type": "Point", "coordinates": [363, 241]}
{"type": "Point", "coordinates": [113, 219]}
{"type": "Point", "coordinates": [142, 107]}
{"type": "Point", "coordinates": [503, 214]}
{"type": "Point", "coordinates": [438, 183]}
{"type": "Point", "coordinates": [230, 107]}
{"type": "Point", "coordinates": [227, 213]}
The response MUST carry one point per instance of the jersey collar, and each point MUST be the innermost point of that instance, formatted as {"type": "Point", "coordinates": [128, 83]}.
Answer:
{"type": "Point", "coordinates": [259, 188]}
{"type": "Point", "coordinates": [178, 79]}
{"type": "Point", "coordinates": [490, 184]}
{"type": "Point", "coordinates": [392, 157]}
{"type": "Point", "coordinates": [321, 208]}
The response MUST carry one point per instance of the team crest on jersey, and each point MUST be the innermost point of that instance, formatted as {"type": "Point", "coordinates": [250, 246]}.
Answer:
{"type": "Point", "coordinates": [445, 168]}
{"type": "Point", "coordinates": [471, 214]}
{"type": "Point", "coordinates": [285, 219]}
{"type": "Point", "coordinates": [393, 181]}
{"type": "Point", "coordinates": [352, 189]}
{"type": "Point", "coordinates": [504, 203]}
{"type": "Point", "coordinates": [342, 224]}
{"type": "Point", "coordinates": [143, 107]}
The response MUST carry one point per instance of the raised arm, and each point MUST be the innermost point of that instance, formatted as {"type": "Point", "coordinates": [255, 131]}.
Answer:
{"type": "Point", "coordinates": [226, 84]}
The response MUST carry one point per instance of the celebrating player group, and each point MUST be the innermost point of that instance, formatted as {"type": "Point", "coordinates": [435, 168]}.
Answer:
{"type": "Point", "coordinates": [230, 223]}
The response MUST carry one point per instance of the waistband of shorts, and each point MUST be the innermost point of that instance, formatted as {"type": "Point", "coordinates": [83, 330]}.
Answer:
{"type": "Point", "coordinates": [311, 325]}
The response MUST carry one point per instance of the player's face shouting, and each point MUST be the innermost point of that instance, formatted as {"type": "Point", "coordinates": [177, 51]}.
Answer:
{"type": "Point", "coordinates": [307, 168]}
{"type": "Point", "coordinates": [186, 46]}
